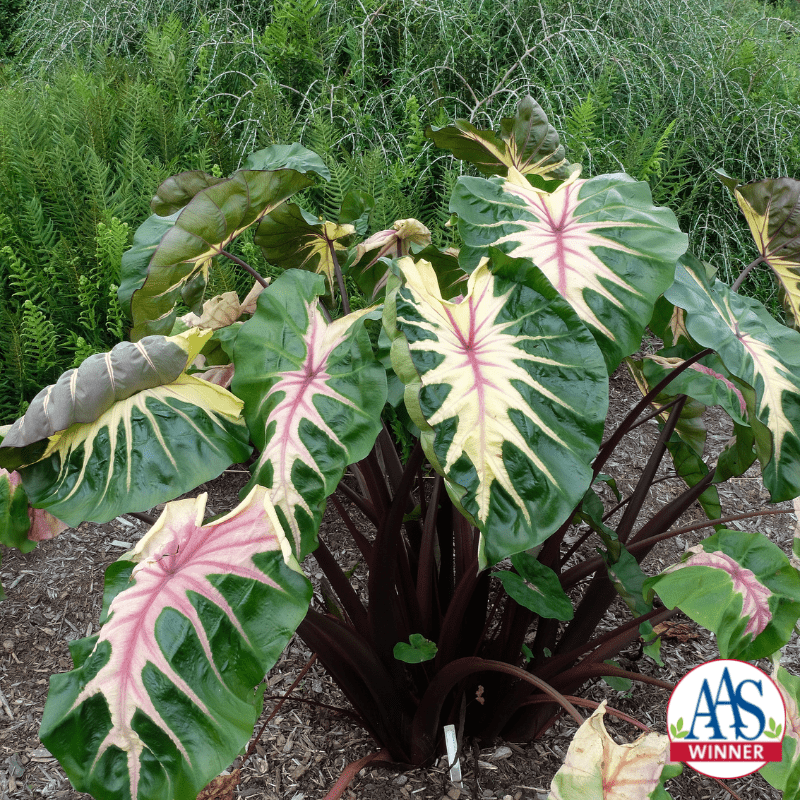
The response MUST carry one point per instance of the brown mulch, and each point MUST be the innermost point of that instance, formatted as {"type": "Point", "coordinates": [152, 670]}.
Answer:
{"type": "Point", "coordinates": [54, 596]}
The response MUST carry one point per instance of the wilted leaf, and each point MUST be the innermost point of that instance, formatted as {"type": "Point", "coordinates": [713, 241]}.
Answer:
{"type": "Point", "coordinates": [222, 787]}
{"type": "Point", "coordinates": [597, 768]}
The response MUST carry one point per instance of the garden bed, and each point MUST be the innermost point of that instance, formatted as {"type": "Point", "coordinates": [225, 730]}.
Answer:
{"type": "Point", "coordinates": [54, 595]}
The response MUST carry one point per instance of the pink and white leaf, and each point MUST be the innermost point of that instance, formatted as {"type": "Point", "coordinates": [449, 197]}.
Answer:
{"type": "Point", "coordinates": [755, 596]}
{"type": "Point", "coordinates": [597, 768]}
{"type": "Point", "coordinates": [198, 589]}
{"type": "Point", "coordinates": [313, 394]}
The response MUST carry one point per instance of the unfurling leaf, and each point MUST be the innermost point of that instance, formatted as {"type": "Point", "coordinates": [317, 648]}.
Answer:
{"type": "Point", "coordinates": [597, 768]}
{"type": "Point", "coordinates": [370, 273]}
{"type": "Point", "coordinates": [196, 614]}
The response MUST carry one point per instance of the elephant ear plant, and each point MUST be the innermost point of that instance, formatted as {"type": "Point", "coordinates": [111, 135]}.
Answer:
{"type": "Point", "coordinates": [496, 360]}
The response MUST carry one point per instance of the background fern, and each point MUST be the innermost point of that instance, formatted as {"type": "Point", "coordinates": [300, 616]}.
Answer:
{"type": "Point", "coordinates": [104, 99]}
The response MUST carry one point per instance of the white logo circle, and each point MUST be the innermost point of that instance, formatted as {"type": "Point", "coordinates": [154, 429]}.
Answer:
{"type": "Point", "coordinates": [726, 719]}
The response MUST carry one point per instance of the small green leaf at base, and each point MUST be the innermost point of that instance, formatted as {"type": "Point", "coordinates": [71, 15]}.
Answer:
{"type": "Point", "coordinates": [420, 649]}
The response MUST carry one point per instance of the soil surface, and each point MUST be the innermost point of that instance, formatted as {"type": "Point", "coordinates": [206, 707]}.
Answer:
{"type": "Point", "coordinates": [54, 596]}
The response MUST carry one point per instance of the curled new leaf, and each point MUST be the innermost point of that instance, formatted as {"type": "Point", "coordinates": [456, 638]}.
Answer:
{"type": "Point", "coordinates": [528, 143]}
{"type": "Point", "coordinates": [370, 272]}
{"type": "Point", "coordinates": [196, 614]}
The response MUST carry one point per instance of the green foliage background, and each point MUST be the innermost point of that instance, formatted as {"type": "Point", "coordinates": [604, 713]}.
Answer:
{"type": "Point", "coordinates": [102, 100]}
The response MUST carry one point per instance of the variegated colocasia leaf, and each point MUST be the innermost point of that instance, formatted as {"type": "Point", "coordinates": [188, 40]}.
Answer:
{"type": "Point", "coordinates": [785, 775]}
{"type": "Point", "coordinates": [772, 210]}
{"type": "Point", "coordinates": [291, 237]}
{"type": "Point", "coordinates": [196, 615]}
{"type": "Point", "coordinates": [601, 242]}
{"type": "Point", "coordinates": [510, 393]}
{"type": "Point", "coordinates": [528, 143]}
{"type": "Point", "coordinates": [84, 394]}
{"type": "Point", "coordinates": [597, 768]}
{"type": "Point", "coordinates": [313, 395]}
{"type": "Point", "coordinates": [757, 350]}
{"type": "Point", "coordinates": [125, 431]}
{"type": "Point", "coordinates": [739, 585]}
{"type": "Point", "coordinates": [704, 382]}
{"type": "Point", "coordinates": [182, 256]}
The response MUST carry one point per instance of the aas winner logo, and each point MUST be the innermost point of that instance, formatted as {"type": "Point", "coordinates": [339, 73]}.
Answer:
{"type": "Point", "coordinates": [726, 719]}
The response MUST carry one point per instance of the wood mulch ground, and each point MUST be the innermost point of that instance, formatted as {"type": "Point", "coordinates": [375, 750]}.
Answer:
{"type": "Point", "coordinates": [54, 596]}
